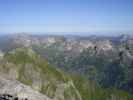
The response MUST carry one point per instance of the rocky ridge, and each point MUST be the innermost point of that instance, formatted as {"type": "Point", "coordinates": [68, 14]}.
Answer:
{"type": "Point", "coordinates": [23, 65]}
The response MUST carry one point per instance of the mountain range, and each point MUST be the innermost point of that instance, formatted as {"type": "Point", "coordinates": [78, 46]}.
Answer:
{"type": "Point", "coordinates": [50, 67]}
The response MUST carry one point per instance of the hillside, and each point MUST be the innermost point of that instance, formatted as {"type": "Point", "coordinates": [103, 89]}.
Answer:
{"type": "Point", "coordinates": [25, 66]}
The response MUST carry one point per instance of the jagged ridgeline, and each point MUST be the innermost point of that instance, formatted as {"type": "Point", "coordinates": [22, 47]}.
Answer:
{"type": "Point", "coordinates": [25, 66]}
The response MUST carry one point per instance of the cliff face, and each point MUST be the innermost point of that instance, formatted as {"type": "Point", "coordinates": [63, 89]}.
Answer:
{"type": "Point", "coordinates": [25, 66]}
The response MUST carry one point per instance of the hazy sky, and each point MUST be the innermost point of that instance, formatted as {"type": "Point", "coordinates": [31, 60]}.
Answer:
{"type": "Point", "coordinates": [66, 15]}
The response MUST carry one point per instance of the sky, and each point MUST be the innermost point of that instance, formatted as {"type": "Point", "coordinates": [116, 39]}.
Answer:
{"type": "Point", "coordinates": [66, 16]}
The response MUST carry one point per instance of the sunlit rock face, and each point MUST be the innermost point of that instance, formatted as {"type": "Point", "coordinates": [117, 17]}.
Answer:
{"type": "Point", "coordinates": [14, 90]}
{"type": "Point", "coordinates": [104, 45]}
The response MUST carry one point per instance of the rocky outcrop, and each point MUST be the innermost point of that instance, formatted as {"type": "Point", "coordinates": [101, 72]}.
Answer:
{"type": "Point", "coordinates": [14, 90]}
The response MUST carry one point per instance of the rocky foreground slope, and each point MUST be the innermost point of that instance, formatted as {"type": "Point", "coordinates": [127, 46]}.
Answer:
{"type": "Point", "coordinates": [14, 90]}
{"type": "Point", "coordinates": [23, 65]}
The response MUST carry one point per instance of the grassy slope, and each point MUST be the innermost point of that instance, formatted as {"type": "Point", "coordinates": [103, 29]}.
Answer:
{"type": "Point", "coordinates": [90, 91]}
{"type": "Point", "coordinates": [36, 72]}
